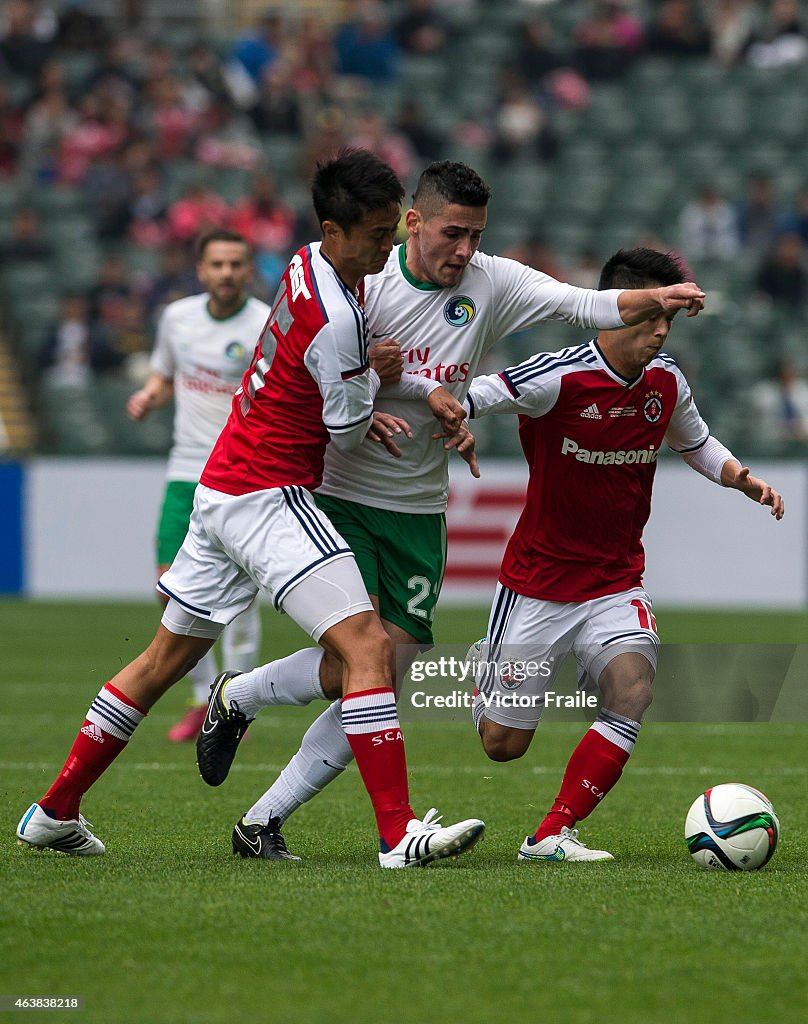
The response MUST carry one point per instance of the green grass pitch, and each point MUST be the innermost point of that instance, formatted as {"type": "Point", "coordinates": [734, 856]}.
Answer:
{"type": "Point", "coordinates": [169, 927]}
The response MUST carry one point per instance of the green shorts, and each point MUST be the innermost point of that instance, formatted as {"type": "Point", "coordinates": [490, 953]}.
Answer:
{"type": "Point", "coordinates": [402, 558]}
{"type": "Point", "coordinates": [178, 503]}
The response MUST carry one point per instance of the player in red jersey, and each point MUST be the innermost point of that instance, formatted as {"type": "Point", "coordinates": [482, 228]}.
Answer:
{"type": "Point", "coordinates": [255, 526]}
{"type": "Point", "coordinates": [592, 420]}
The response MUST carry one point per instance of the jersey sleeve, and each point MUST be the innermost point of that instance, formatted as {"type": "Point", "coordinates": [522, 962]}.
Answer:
{"type": "Point", "coordinates": [162, 357]}
{"type": "Point", "coordinates": [526, 297]}
{"type": "Point", "coordinates": [686, 431]}
{"type": "Point", "coordinates": [497, 393]}
{"type": "Point", "coordinates": [412, 387]}
{"type": "Point", "coordinates": [346, 383]}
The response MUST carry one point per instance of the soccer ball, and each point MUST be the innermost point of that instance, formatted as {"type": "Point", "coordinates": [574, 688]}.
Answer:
{"type": "Point", "coordinates": [732, 828]}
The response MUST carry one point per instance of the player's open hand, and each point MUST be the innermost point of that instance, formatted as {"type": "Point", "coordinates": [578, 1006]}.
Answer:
{"type": "Point", "coordinates": [386, 359]}
{"type": "Point", "coordinates": [384, 429]}
{"type": "Point", "coordinates": [447, 410]}
{"type": "Point", "coordinates": [681, 296]}
{"type": "Point", "coordinates": [139, 405]}
{"type": "Point", "coordinates": [759, 491]}
{"type": "Point", "coordinates": [464, 443]}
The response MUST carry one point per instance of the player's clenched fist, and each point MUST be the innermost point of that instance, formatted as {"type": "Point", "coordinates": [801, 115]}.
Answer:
{"type": "Point", "coordinates": [636, 305]}
{"type": "Point", "coordinates": [386, 359]}
{"type": "Point", "coordinates": [446, 409]}
{"type": "Point", "coordinates": [682, 296]}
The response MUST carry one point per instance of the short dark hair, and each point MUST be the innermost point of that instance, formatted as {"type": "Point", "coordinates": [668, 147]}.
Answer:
{"type": "Point", "coordinates": [444, 182]}
{"type": "Point", "coordinates": [352, 184]}
{"type": "Point", "coordinates": [218, 235]}
{"type": "Point", "coordinates": [641, 268]}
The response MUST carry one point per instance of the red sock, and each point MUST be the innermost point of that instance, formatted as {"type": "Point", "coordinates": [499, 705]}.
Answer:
{"type": "Point", "coordinates": [370, 721]}
{"type": "Point", "coordinates": [110, 722]}
{"type": "Point", "coordinates": [594, 768]}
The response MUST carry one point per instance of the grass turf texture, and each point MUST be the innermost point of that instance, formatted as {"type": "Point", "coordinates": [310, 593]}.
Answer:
{"type": "Point", "coordinates": [170, 927]}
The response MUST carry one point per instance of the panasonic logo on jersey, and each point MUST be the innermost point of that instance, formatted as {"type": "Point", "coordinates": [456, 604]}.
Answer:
{"type": "Point", "coordinates": [623, 457]}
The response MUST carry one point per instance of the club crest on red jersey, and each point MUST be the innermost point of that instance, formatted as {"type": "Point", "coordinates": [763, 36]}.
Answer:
{"type": "Point", "coordinates": [652, 410]}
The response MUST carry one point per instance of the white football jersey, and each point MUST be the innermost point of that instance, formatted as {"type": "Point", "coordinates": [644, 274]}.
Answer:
{"type": "Point", "coordinates": [206, 359]}
{"type": "Point", "coordinates": [444, 333]}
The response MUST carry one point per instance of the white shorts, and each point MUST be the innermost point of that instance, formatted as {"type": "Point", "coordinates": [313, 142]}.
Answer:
{"type": "Point", "coordinates": [528, 640]}
{"type": "Point", "coordinates": [275, 540]}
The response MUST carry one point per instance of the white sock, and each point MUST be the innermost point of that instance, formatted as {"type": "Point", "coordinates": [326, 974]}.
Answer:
{"type": "Point", "coordinates": [618, 729]}
{"type": "Point", "coordinates": [294, 680]}
{"type": "Point", "coordinates": [477, 710]}
{"type": "Point", "coordinates": [241, 641]}
{"type": "Point", "coordinates": [202, 675]}
{"type": "Point", "coordinates": [324, 754]}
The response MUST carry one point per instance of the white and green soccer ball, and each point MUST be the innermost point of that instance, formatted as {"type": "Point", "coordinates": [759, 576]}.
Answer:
{"type": "Point", "coordinates": [732, 827]}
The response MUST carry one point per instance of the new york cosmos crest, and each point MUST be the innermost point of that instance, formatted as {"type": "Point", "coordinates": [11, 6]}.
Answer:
{"type": "Point", "coordinates": [235, 350]}
{"type": "Point", "coordinates": [459, 310]}
{"type": "Point", "coordinates": [652, 410]}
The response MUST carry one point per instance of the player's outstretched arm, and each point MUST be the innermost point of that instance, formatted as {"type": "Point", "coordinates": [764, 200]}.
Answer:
{"type": "Point", "coordinates": [640, 304]}
{"type": "Point", "coordinates": [155, 393]}
{"type": "Point", "coordinates": [739, 477]}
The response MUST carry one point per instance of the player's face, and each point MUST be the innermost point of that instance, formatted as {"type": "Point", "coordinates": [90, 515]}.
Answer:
{"type": "Point", "coordinates": [224, 270]}
{"type": "Point", "coordinates": [364, 248]}
{"type": "Point", "coordinates": [441, 246]}
{"type": "Point", "coordinates": [632, 349]}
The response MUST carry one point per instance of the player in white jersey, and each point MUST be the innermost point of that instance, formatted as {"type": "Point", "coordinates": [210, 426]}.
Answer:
{"type": "Point", "coordinates": [446, 304]}
{"type": "Point", "coordinates": [204, 344]}
{"type": "Point", "coordinates": [255, 525]}
{"type": "Point", "coordinates": [592, 420]}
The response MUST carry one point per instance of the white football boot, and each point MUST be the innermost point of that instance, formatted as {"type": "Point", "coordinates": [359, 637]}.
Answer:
{"type": "Point", "coordinates": [426, 841]}
{"type": "Point", "coordinates": [565, 846]}
{"type": "Point", "coordinates": [38, 829]}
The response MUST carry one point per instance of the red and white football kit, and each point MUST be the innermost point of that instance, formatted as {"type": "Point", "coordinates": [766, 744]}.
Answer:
{"type": "Point", "coordinates": [571, 577]}
{"type": "Point", "coordinates": [254, 522]}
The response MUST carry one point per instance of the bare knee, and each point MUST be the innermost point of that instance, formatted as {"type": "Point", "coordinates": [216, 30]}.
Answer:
{"type": "Point", "coordinates": [636, 699]}
{"type": "Point", "coordinates": [501, 743]}
{"type": "Point", "coordinates": [363, 649]}
{"type": "Point", "coordinates": [626, 685]}
{"type": "Point", "coordinates": [369, 642]}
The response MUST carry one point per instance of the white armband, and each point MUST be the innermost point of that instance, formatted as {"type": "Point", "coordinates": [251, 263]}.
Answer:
{"type": "Point", "coordinates": [709, 459]}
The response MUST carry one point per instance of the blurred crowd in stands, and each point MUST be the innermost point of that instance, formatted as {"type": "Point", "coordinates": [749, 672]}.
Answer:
{"type": "Point", "coordinates": [157, 135]}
